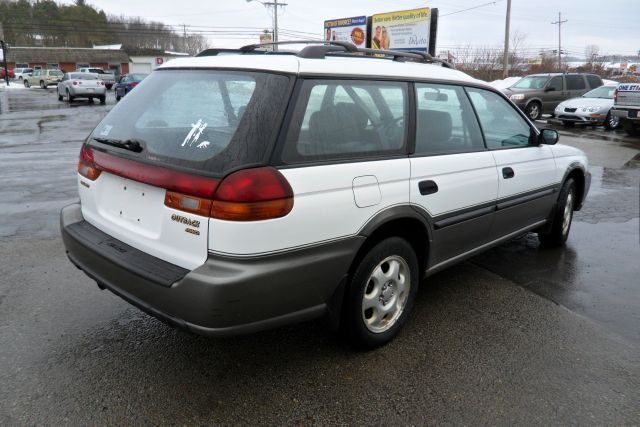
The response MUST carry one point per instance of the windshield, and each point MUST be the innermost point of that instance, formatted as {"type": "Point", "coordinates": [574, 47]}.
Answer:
{"type": "Point", "coordinates": [209, 121]}
{"type": "Point", "coordinates": [604, 92]}
{"type": "Point", "coordinates": [531, 82]}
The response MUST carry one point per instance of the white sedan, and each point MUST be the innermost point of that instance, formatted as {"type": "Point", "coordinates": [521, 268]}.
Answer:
{"type": "Point", "coordinates": [592, 108]}
{"type": "Point", "coordinates": [82, 85]}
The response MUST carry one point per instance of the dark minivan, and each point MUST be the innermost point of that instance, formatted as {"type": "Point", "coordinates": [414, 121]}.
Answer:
{"type": "Point", "coordinates": [539, 94]}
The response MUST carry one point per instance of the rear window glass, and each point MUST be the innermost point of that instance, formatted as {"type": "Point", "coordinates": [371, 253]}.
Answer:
{"type": "Point", "coordinates": [206, 120]}
{"type": "Point", "coordinates": [55, 73]}
{"type": "Point", "coordinates": [84, 76]}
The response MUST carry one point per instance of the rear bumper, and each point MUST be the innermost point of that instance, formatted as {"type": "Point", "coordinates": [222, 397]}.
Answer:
{"type": "Point", "coordinates": [224, 296]}
{"type": "Point", "coordinates": [626, 113]}
{"type": "Point", "coordinates": [86, 92]}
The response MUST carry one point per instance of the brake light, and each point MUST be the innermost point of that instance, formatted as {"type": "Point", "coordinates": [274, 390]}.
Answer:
{"type": "Point", "coordinates": [253, 195]}
{"type": "Point", "coordinates": [615, 96]}
{"type": "Point", "coordinates": [134, 84]}
{"type": "Point", "coordinates": [75, 83]}
{"type": "Point", "coordinates": [246, 195]}
{"type": "Point", "coordinates": [86, 164]}
{"type": "Point", "coordinates": [100, 83]}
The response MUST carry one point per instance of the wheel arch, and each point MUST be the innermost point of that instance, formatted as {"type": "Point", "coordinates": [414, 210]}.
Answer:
{"type": "Point", "coordinates": [577, 171]}
{"type": "Point", "coordinates": [403, 221]}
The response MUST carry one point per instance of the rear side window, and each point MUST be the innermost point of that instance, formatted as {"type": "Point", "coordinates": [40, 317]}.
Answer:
{"type": "Point", "coordinates": [205, 120]}
{"type": "Point", "coordinates": [502, 125]}
{"type": "Point", "coordinates": [594, 81]}
{"type": "Point", "coordinates": [346, 119]}
{"type": "Point", "coordinates": [575, 82]}
{"type": "Point", "coordinates": [445, 122]}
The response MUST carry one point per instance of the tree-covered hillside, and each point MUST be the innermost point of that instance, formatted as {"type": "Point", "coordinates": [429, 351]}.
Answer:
{"type": "Point", "coordinates": [47, 23]}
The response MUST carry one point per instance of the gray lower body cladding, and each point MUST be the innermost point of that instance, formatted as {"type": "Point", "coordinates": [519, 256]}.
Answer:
{"type": "Point", "coordinates": [224, 296]}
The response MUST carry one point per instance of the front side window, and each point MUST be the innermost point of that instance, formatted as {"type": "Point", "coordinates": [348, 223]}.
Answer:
{"type": "Point", "coordinates": [594, 81]}
{"type": "Point", "coordinates": [344, 119]}
{"type": "Point", "coordinates": [556, 83]}
{"type": "Point", "coordinates": [502, 125]}
{"type": "Point", "coordinates": [445, 122]}
{"type": "Point", "coordinates": [575, 82]}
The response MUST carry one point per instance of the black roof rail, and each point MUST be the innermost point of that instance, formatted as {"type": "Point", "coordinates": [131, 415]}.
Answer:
{"type": "Point", "coordinates": [318, 49]}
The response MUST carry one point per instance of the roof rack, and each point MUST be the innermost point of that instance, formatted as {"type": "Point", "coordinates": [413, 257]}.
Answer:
{"type": "Point", "coordinates": [319, 49]}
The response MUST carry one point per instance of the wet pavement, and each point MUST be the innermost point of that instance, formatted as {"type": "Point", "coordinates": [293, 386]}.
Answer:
{"type": "Point", "coordinates": [518, 335]}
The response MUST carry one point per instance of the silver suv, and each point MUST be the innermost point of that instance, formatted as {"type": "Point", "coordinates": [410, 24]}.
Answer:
{"type": "Point", "coordinates": [43, 78]}
{"type": "Point", "coordinates": [539, 94]}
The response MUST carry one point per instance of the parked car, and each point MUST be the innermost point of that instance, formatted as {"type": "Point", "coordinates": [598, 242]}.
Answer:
{"type": "Point", "coordinates": [627, 107]}
{"type": "Point", "coordinates": [592, 108]}
{"type": "Point", "coordinates": [241, 192]}
{"type": "Point", "coordinates": [126, 83]}
{"type": "Point", "coordinates": [43, 78]}
{"type": "Point", "coordinates": [20, 72]}
{"type": "Point", "coordinates": [107, 77]}
{"type": "Point", "coordinates": [3, 73]}
{"type": "Point", "coordinates": [539, 94]}
{"type": "Point", "coordinates": [82, 85]}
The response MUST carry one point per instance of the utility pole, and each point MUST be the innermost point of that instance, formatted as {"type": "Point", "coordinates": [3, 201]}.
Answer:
{"type": "Point", "coordinates": [275, 4]}
{"type": "Point", "coordinates": [559, 22]}
{"type": "Point", "coordinates": [4, 55]}
{"type": "Point", "coordinates": [505, 59]}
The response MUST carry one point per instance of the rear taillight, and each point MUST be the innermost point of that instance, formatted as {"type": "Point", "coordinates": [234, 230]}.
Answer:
{"type": "Point", "coordinates": [246, 195]}
{"type": "Point", "coordinates": [615, 96]}
{"type": "Point", "coordinates": [75, 83]}
{"type": "Point", "coordinates": [253, 195]}
{"type": "Point", "coordinates": [86, 164]}
{"type": "Point", "coordinates": [100, 83]}
{"type": "Point", "coordinates": [134, 84]}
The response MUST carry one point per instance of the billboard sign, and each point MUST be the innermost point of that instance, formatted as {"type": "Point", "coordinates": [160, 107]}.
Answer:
{"type": "Point", "coordinates": [402, 30]}
{"type": "Point", "coordinates": [353, 30]}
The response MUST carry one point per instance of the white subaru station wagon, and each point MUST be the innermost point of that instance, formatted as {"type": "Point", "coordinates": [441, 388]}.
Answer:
{"type": "Point", "coordinates": [238, 191]}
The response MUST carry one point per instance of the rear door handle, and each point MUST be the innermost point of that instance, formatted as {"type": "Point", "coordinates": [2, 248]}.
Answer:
{"type": "Point", "coordinates": [508, 173]}
{"type": "Point", "coordinates": [427, 187]}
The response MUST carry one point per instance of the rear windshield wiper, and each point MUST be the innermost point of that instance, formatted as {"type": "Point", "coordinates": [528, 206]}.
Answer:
{"type": "Point", "coordinates": [129, 144]}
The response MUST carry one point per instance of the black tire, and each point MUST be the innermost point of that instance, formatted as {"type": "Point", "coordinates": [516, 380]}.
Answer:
{"type": "Point", "coordinates": [394, 252]}
{"type": "Point", "coordinates": [562, 217]}
{"type": "Point", "coordinates": [26, 83]}
{"type": "Point", "coordinates": [69, 97]}
{"type": "Point", "coordinates": [611, 122]}
{"type": "Point", "coordinates": [630, 127]}
{"type": "Point", "coordinates": [118, 97]}
{"type": "Point", "coordinates": [42, 85]}
{"type": "Point", "coordinates": [103, 99]}
{"type": "Point", "coordinates": [108, 87]}
{"type": "Point", "coordinates": [568, 124]}
{"type": "Point", "coordinates": [533, 110]}
{"type": "Point", "coordinates": [59, 96]}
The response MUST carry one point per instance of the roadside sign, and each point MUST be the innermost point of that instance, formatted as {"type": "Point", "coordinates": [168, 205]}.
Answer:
{"type": "Point", "coordinates": [401, 30]}
{"type": "Point", "coordinates": [267, 38]}
{"type": "Point", "coordinates": [353, 30]}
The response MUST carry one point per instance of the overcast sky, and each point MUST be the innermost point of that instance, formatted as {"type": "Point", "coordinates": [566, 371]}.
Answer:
{"type": "Point", "coordinates": [613, 25]}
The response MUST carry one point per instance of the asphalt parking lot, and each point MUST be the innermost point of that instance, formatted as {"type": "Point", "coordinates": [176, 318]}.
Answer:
{"type": "Point", "coordinates": [518, 335]}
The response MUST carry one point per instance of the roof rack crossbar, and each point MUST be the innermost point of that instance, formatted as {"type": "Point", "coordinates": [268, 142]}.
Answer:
{"type": "Point", "coordinates": [318, 49]}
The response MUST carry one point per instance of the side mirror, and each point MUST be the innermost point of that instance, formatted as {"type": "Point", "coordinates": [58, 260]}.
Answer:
{"type": "Point", "coordinates": [549, 89]}
{"type": "Point", "coordinates": [548, 136]}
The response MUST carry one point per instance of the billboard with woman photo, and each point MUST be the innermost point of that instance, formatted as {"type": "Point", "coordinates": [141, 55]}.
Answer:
{"type": "Point", "coordinates": [402, 30]}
